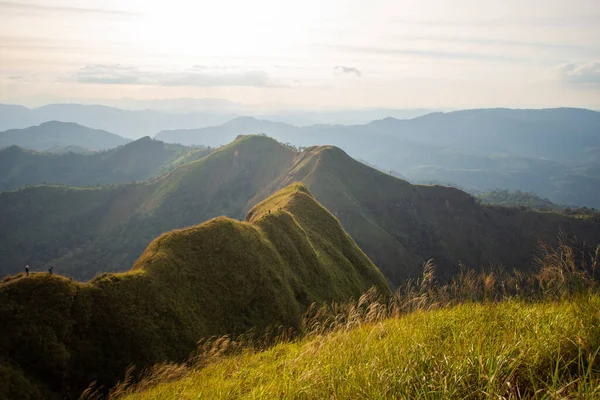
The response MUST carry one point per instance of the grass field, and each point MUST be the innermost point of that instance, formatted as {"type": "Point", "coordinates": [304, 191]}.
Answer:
{"type": "Point", "coordinates": [493, 335]}
{"type": "Point", "coordinates": [499, 350]}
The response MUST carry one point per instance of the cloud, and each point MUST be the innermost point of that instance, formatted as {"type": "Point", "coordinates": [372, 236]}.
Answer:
{"type": "Point", "coordinates": [29, 78]}
{"type": "Point", "coordinates": [424, 53]}
{"type": "Point", "coordinates": [17, 5]}
{"type": "Point", "coordinates": [198, 76]}
{"type": "Point", "coordinates": [348, 70]}
{"type": "Point", "coordinates": [110, 74]}
{"type": "Point", "coordinates": [249, 78]}
{"type": "Point", "coordinates": [581, 74]}
{"type": "Point", "coordinates": [527, 21]}
{"type": "Point", "coordinates": [488, 41]}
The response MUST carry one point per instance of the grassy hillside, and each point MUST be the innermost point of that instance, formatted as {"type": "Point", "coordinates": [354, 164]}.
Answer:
{"type": "Point", "coordinates": [140, 160]}
{"type": "Point", "coordinates": [398, 225]}
{"type": "Point", "coordinates": [109, 231]}
{"type": "Point", "coordinates": [494, 334]}
{"type": "Point", "coordinates": [54, 133]}
{"type": "Point", "coordinates": [508, 350]}
{"type": "Point", "coordinates": [223, 276]}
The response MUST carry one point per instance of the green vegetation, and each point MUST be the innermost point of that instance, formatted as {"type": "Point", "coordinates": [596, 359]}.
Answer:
{"type": "Point", "coordinates": [513, 349]}
{"type": "Point", "coordinates": [398, 225]}
{"type": "Point", "coordinates": [507, 198]}
{"type": "Point", "coordinates": [522, 200]}
{"type": "Point", "coordinates": [223, 276]}
{"type": "Point", "coordinates": [136, 161]}
{"type": "Point", "coordinates": [494, 335]}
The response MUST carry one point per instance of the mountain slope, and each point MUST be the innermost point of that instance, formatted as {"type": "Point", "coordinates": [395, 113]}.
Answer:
{"type": "Point", "coordinates": [548, 151]}
{"type": "Point", "coordinates": [557, 134]}
{"type": "Point", "coordinates": [54, 133]}
{"type": "Point", "coordinates": [398, 225]}
{"type": "Point", "coordinates": [106, 229]}
{"type": "Point", "coordinates": [222, 276]}
{"type": "Point", "coordinates": [135, 161]}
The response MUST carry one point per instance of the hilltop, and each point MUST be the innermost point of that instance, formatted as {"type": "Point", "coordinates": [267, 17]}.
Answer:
{"type": "Point", "coordinates": [222, 134]}
{"type": "Point", "coordinates": [223, 276]}
{"type": "Point", "coordinates": [397, 224]}
{"type": "Point", "coordinates": [135, 161]}
{"type": "Point", "coordinates": [52, 134]}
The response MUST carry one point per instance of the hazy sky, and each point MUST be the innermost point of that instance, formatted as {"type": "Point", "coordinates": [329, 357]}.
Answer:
{"type": "Point", "coordinates": [310, 53]}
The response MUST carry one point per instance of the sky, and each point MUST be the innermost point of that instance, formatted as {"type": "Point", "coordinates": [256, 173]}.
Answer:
{"type": "Point", "coordinates": [308, 54]}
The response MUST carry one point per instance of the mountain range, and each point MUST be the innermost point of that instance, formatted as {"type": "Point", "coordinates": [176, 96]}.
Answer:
{"type": "Point", "coordinates": [135, 118]}
{"type": "Point", "coordinates": [53, 134]}
{"type": "Point", "coordinates": [139, 160]}
{"type": "Point", "coordinates": [552, 152]}
{"type": "Point", "coordinates": [130, 124]}
{"type": "Point", "coordinates": [398, 225]}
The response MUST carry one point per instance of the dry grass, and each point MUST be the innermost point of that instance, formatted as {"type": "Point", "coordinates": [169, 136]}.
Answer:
{"type": "Point", "coordinates": [497, 334]}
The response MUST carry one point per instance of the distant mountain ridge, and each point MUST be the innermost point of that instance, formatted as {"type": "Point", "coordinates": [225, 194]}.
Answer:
{"type": "Point", "coordinates": [135, 161]}
{"type": "Point", "coordinates": [226, 133]}
{"type": "Point", "coordinates": [130, 124]}
{"type": "Point", "coordinates": [136, 118]}
{"type": "Point", "coordinates": [54, 133]}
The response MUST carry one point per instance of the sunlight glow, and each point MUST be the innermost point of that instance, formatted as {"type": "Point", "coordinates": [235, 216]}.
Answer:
{"type": "Point", "coordinates": [395, 52]}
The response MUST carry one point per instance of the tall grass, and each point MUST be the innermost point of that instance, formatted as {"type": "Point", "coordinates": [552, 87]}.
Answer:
{"type": "Point", "coordinates": [495, 334]}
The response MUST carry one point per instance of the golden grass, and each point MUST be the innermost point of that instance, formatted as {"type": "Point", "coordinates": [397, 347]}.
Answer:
{"type": "Point", "coordinates": [492, 335]}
